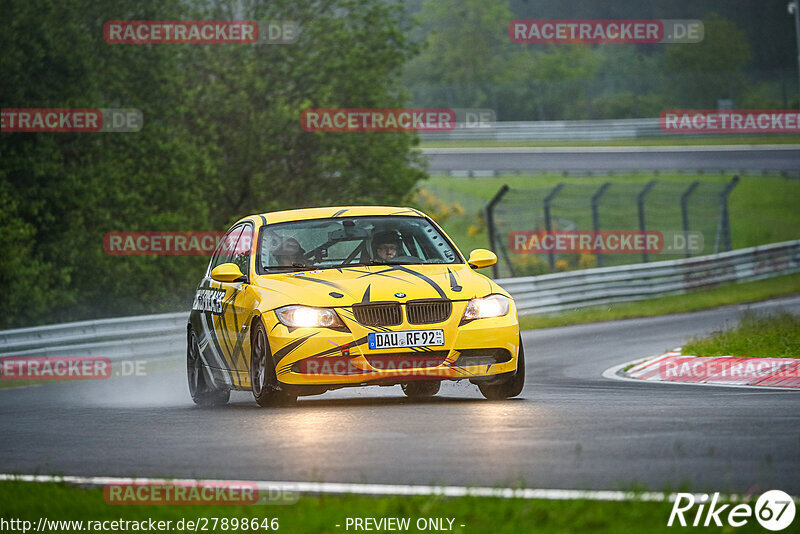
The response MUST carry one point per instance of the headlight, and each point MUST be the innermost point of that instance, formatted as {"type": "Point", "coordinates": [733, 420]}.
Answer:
{"type": "Point", "coordinates": [304, 316]}
{"type": "Point", "coordinates": [491, 306]}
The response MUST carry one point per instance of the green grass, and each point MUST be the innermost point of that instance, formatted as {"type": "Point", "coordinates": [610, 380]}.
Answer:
{"type": "Point", "coordinates": [312, 514]}
{"type": "Point", "coordinates": [700, 300]}
{"type": "Point", "coordinates": [772, 336]}
{"type": "Point", "coordinates": [657, 141]}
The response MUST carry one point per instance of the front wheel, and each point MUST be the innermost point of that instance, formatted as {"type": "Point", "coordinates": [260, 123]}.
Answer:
{"type": "Point", "coordinates": [267, 390]}
{"type": "Point", "coordinates": [421, 389]}
{"type": "Point", "coordinates": [512, 386]}
{"type": "Point", "coordinates": [201, 387]}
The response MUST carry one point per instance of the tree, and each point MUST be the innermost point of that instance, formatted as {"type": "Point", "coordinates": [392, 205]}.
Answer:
{"type": "Point", "coordinates": [222, 139]}
{"type": "Point", "coordinates": [467, 50]}
{"type": "Point", "coordinates": [712, 69]}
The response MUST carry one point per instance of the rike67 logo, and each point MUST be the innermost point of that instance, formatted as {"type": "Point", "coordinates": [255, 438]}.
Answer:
{"type": "Point", "coordinates": [774, 510]}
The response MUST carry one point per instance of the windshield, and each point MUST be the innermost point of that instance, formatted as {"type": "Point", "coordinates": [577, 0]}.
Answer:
{"type": "Point", "coordinates": [329, 243]}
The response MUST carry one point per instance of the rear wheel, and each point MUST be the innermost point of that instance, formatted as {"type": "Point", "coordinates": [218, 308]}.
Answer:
{"type": "Point", "coordinates": [201, 386]}
{"type": "Point", "coordinates": [512, 386]}
{"type": "Point", "coordinates": [421, 389]}
{"type": "Point", "coordinates": [267, 390]}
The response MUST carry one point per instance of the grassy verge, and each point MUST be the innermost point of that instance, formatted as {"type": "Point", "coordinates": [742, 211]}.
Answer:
{"type": "Point", "coordinates": [658, 141]}
{"type": "Point", "coordinates": [700, 300]}
{"type": "Point", "coordinates": [29, 501]}
{"type": "Point", "coordinates": [773, 336]}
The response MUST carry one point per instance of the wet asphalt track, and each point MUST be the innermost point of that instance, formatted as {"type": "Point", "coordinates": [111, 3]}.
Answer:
{"type": "Point", "coordinates": [616, 159]}
{"type": "Point", "coordinates": [572, 428]}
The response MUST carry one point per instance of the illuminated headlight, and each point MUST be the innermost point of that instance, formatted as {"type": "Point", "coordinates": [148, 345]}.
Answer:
{"type": "Point", "coordinates": [304, 316]}
{"type": "Point", "coordinates": [491, 306]}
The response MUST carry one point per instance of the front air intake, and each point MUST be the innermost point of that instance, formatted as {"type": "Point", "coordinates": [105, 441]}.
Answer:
{"type": "Point", "coordinates": [429, 311]}
{"type": "Point", "coordinates": [388, 314]}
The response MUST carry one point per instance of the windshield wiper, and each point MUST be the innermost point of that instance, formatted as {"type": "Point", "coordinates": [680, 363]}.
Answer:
{"type": "Point", "coordinates": [292, 267]}
{"type": "Point", "coordinates": [376, 262]}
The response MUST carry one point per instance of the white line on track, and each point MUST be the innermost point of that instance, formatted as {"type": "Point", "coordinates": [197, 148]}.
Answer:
{"type": "Point", "coordinates": [607, 149]}
{"type": "Point", "coordinates": [384, 489]}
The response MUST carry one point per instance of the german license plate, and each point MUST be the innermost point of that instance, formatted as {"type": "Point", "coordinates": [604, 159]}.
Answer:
{"type": "Point", "coordinates": [406, 338]}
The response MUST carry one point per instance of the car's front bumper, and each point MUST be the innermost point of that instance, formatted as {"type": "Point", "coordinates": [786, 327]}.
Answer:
{"type": "Point", "coordinates": [476, 350]}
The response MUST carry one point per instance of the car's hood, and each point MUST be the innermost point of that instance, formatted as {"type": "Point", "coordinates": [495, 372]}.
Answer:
{"type": "Point", "coordinates": [346, 286]}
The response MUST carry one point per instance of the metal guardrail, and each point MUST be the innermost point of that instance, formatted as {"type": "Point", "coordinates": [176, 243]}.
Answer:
{"type": "Point", "coordinates": [553, 130]}
{"type": "Point", "coordinates": [596, 130]}
{"type": "Point", "coordinates": [119, 338]}
{"type": "Point", "coordinates": [591, 287]}
{"type": "Point", "coordinates": [164, 335]}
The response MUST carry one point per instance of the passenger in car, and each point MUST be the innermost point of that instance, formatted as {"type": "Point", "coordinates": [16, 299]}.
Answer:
{"type": "Point", "coordinates": [289, 252]}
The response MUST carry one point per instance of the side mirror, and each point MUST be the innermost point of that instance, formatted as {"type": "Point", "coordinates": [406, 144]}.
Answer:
{"type": "Point", "coordinates": [227, 272]}
{"type": "Point", "coordinates": [480, 258]}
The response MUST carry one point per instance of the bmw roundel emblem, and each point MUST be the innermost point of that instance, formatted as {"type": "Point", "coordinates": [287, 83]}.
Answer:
{"type": "Point", "coordinates": [399, 294]}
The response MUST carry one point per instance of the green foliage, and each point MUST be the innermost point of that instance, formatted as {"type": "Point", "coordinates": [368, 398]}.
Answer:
{"type": "Point", "coordinates": [469, 62]}
{"type": "Point", "coordinates": [222, 139]}
{"type": "Point", "coordinates": [723, 49]}
{"type": "Point", "coordinates": [714, 65]}
{"type": "Point", "coordinates": [461, 69]}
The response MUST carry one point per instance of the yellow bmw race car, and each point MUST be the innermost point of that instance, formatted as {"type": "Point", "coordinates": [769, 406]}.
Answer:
{"type": "Point", "coordinates": [304, 301]}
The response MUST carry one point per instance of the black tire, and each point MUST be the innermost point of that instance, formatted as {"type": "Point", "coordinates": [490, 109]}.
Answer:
{"type": "Point", "coordinates": [267, 390]}
{"type": "Point", "coordinates": [201, 386]}
{"type": "Point", "coordinates": [421, 388]}
{"type": "Point", "coordinates": [512, 386]}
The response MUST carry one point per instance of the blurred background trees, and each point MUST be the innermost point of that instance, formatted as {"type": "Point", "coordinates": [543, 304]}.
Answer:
{"type": "Point", "coordinates": [222, 137]}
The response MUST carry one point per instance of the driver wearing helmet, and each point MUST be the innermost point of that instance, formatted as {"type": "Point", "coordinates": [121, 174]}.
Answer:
{"type": "Point", "coordinates": [386, 245]}
{"type": "Point", "coordinates": [289, 253]}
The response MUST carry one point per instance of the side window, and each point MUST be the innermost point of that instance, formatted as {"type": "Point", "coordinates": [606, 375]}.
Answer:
{"type": "Point", "coordinates": [241, 253]}
{"type": "Point", "coordinates": [226, 248]}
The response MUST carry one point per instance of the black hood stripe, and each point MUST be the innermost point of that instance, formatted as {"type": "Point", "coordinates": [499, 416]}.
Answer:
{"type": "Point", "coordinates": [453, 281]}
{"type": "Point", "coordinates": [317, 280]}
{"type": "Point", "coordinates": [421, 276]}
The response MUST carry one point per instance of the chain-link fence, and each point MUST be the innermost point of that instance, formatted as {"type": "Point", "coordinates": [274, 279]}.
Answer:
{"type": "Point", "coordinates": [668, 208]}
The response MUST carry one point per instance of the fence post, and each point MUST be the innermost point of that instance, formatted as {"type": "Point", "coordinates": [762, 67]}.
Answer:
{"type": "Point", "coordinates": [548, 224]}
{"type": "Point", "coordinates": [640, 206]}
{"type": "Point", "coordinates": [685, 213]}
{"type": "Point", "coordinates": [596, 216]}
{"type": "Point", "coordinates": [726, 223]}
{"type": "Point", "coordinates": [491, 228]}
